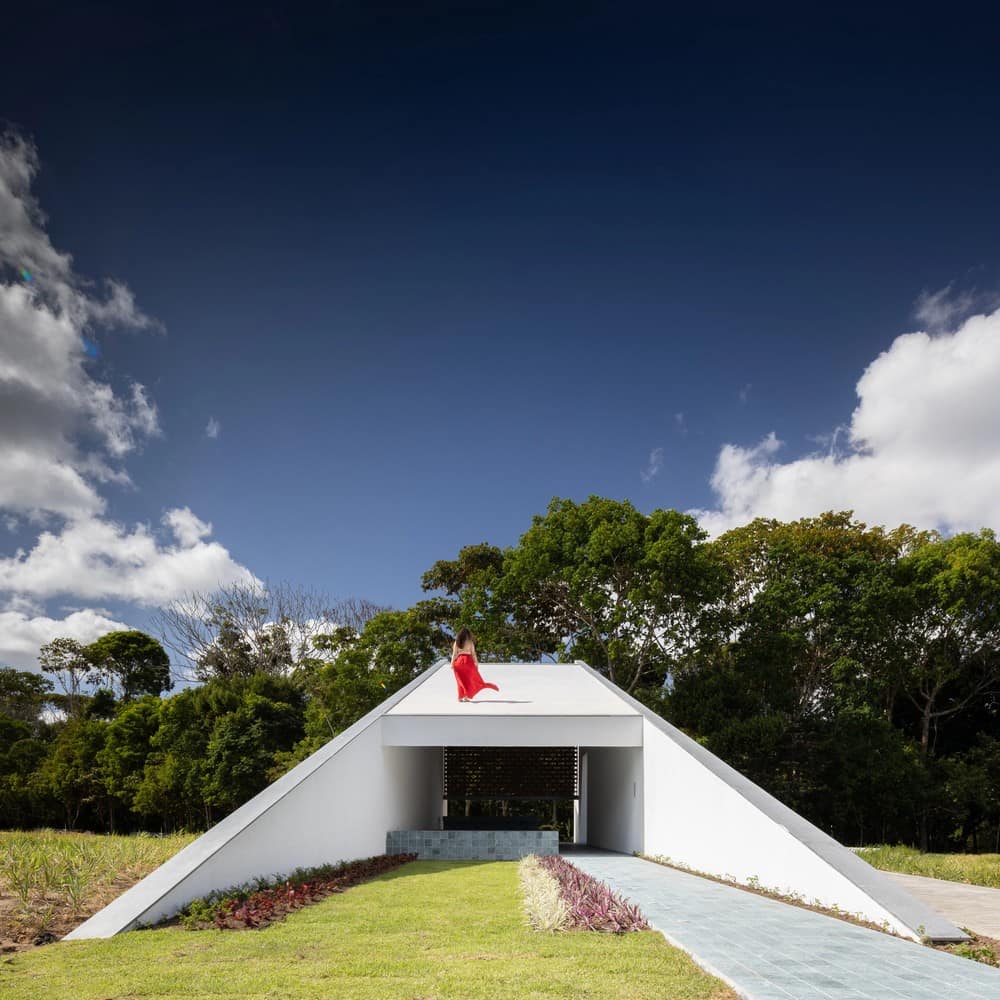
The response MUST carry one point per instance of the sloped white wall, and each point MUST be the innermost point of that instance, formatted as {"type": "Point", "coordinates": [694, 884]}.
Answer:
{"type": "Point", "coordinates": [699, 821]}
{"type": "Point", "coordinates": [339, 811]}
{"type": "Point", "coordinates": [615, 798]}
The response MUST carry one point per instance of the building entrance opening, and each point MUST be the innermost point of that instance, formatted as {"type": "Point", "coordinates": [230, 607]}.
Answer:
{"type": "Point", "coordinates": [511, 788]}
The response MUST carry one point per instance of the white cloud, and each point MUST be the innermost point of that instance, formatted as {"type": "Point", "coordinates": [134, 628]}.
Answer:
{"type": "Point", "coordinates": [96, 559]}
{"type": "Point", "coordinates": [923, 445]}
{"type": "Point", "coordinates": [188, 529]}
{"type": "Point", "coordinates": [947, 307]}
{"type": "Point", "coordinates": [65, 432]}
{"type": "Point", "coordinates": [212, 428]}
{"type": "Point", "coordinates": [653, 466]}
{"type": "Point", "coordinates": [680, 423]}
{"type": "Point", "coordinates": [61, 426]}
{"type": "Point", "coordinates": [21, 633]}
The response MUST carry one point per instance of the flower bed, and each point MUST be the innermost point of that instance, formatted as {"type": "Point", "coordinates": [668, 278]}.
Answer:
{"type": "Point", "coordinates": [586, 903]}
{"type": "Point", "coordinates": [262, 902]}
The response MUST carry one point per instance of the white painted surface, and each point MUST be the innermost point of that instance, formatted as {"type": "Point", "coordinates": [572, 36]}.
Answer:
{"type": "Point", "coordinates": [339, 812]}
{"type": "Point", "coordinates": [615, 798]}
{"type": "Point", "coordinates": [546, 689]}
{"type": "Point", "coordinates": [336, 805]}
{"type": "Point", "coordinates": [519, 731]}
{"type": "Point", "coordinates": [698, 820]}
{"type": "Point", "coordinates": [653, 790]}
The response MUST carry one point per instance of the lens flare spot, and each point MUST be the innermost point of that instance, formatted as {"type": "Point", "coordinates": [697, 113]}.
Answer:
{"type": "Point", "coordinates": [90, 348]}
{"type": "Point", "coordinates": [27, 275]}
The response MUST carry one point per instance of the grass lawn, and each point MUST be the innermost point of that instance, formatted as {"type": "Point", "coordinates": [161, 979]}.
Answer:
{"type": "Point", "coordinates": [431, 929]}
{"type": "Point", "coordinates": [974, 869]}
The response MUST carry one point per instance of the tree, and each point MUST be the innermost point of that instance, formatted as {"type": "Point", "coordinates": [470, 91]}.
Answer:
{"type": "Point", "coordinates": [394, 648]}
{"type": "Point", "coordinates": [71, 771]}
{"type": "Point", "coordinates": [802, 614]}
{"type": "Point", "coordinates": [23, 694]}
{"type": "Point", "coordinates": [250, 628]}
{"type": "Point", "coordinates": [129, 663]}
{"type": "Point", "coordinates": [244, 743]}
{"type": "Point", "coordinates": [126, 748]}
{"type": "Point", "coordinates": [624, 590]}
{"type": "Point", "coordinates": [948, 628]}
{"type": "Point", "coordinates": [64, 659]}
{"type": "Point", "coordinates": [505, 622]}
{"type": "Point", "coordinates": [175, 771]}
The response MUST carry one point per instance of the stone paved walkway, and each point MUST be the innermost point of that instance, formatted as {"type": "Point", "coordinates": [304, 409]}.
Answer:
{"type": "Point", "coordinates": [976, 907]}
{"type": "Point", "coordinates": [769, 950]}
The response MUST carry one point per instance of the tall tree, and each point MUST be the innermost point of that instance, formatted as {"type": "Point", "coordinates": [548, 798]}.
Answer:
{"type": "Point", "coordinates": [947, 639]}
{"type": "Point", "coordinates": [252, 628]}
{"type": "Point", "coordinates": [23, 694]}
{"type": "Point", "coordinates": [64, 659]}
{"type": "Point", "coordinates": [624, 590]}
{"type": "Point", "coordinates": [129, 663]}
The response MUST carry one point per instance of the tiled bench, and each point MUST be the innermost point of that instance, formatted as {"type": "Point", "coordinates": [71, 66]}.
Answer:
{"type": "Point", "coordinates": [480, 845]}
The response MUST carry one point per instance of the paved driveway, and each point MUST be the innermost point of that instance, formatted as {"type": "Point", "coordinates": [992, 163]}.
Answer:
{"type": "Point", "coordinates": [975, 907]}
{"type": "Point", "coordinates": [769, 950]}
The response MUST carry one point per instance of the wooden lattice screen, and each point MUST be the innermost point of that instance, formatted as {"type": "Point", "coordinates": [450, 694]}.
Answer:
{"type": "Point", "coordinates": [511, 773]}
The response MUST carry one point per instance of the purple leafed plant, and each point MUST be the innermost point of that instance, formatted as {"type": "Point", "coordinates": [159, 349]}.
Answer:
{"type": "Point", "coordinates": [592, 905]}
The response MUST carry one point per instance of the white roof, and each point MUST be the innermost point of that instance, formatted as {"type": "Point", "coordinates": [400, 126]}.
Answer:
{"type": "Point", "coordinates": [539, 704]}
{"type": "Point", "coordinates": [550, 689]}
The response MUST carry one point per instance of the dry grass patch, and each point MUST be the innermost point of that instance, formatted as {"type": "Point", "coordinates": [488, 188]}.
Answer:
{"type": "Point", "coordinates": [50, 882]}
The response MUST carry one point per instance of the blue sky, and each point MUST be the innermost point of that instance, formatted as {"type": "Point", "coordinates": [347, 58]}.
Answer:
{"type": "Point", "coordinates": [426, 266]}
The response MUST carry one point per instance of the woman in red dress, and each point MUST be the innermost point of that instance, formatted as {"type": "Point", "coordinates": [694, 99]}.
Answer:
{"type": "Point", "coordinates": [465, 663]}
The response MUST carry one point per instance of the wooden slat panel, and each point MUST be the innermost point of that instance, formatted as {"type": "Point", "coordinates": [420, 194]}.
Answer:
{"type": "Point", "coordinates": [511, 773]}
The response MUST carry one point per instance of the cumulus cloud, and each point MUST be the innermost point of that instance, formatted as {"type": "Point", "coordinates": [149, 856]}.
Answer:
{"type": "Point", "coordinates": [62, 428]}
{"type": "Point", "coordinates": [212, 428]}
{"type": "Point", "coordinates": [65, 433]}
{"type": "Point", "coordinates": [653, 466]}
{"type": "Point", "coordinates": [947, 307]}
{"type": "Point", "coordinates": [96, 559]}
{"type": "Point", "coordinates": [21, 634]}
{"type": "Point", "coordinates": [922, 446]}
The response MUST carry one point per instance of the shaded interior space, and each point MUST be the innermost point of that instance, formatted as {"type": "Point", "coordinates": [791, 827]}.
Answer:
{"type": "Point", "coordinates": [510, 788]}
{"type": "Point", "coordinates": [590, 796]}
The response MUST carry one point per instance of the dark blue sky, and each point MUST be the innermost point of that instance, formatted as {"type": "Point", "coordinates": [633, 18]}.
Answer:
{"type": "Point", "coordinates": [431, 264]}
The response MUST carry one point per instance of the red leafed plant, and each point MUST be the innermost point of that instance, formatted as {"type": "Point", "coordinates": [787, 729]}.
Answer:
{"type": "Point", "coordinates": [592, 905]}
{"type": "Point", "coordinates": [262, 902]}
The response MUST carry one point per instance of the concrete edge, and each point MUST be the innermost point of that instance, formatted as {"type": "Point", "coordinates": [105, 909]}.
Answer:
{"type": "Point", "coordinates": [911, 912]}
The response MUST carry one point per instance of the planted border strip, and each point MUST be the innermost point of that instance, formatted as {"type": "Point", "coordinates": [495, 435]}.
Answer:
{"type": "Point", "coordinates": [543, 902]}
{"type": "Point", "coordinates": [589, 904]}
{"type": "Point", "coordinates": [261, 902]}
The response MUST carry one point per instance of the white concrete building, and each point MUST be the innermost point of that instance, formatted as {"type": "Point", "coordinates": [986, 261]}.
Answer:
{"type": "Point", "coordinates": [641, 786]}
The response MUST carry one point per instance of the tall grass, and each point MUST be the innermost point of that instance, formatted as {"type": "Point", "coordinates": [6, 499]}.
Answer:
{"type": "Point", "coordinates": [51, 874]}
{"type": "Point", "coordinates": [973, 869]}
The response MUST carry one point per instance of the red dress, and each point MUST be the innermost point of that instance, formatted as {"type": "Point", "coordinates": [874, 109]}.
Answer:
{"type": "Point", "coordinates": [467, 676]}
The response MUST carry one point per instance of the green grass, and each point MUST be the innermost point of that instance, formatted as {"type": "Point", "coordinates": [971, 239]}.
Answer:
{"type": "Point", "coordinates": [973, 869]}
{"type": "Point", "coordinates": [428, 930]}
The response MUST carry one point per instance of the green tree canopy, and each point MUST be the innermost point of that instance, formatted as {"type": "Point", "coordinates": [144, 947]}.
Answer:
{"type": "Point", "coordinates": [130, 663]}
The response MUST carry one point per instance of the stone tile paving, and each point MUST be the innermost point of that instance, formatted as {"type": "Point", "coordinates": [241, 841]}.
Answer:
{"type": "Point", "coordinates": [767, 950]}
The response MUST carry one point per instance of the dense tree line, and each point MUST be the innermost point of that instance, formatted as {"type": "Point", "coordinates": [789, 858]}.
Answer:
{"type": "Point", "coordinates": [854, 672]}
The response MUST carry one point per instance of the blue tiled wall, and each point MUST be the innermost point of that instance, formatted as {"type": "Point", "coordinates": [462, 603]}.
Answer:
{"type": "Point", "coordinates": [480, 845]}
